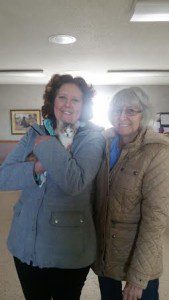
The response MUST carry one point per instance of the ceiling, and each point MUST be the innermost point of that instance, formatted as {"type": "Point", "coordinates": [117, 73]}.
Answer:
{"type": "Point", "coordinates": [106, 40]}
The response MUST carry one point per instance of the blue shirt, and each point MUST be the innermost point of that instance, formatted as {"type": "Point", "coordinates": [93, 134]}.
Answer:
{"type": "Point", "coordinates": [115, 151]}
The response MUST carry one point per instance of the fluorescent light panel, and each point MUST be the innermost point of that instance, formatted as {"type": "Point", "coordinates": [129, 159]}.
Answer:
{"type": "Point", "coordinates": [139, 73]}
{"type": "Point", "coordinates": [151, 11]}
{"type": "Point", "coordinates": [22, 72]}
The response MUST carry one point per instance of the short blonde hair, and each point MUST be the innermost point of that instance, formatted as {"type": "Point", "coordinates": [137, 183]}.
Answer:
{"type": "Point", "coordinates": [129, 96]}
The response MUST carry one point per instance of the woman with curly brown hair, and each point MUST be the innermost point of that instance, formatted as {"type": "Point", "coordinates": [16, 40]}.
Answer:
{"type": "Point", "coordinates": [53, 226]}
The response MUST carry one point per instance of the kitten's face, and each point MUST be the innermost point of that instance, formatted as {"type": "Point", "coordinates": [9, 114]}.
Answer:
{"type": "Point", "coordinates": [66, 136]}
{"type": "Point", "coordinates": [68, 103]}
{"type": "Point", "coordinates": [69, 132]}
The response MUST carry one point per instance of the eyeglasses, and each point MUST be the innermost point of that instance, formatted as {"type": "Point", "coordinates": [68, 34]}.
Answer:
{"type": "Point", "coordinates": [129, 112]}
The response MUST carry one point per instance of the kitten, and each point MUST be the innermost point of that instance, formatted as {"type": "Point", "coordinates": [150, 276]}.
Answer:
{"type": "Point", "coordinates": [66, 135]}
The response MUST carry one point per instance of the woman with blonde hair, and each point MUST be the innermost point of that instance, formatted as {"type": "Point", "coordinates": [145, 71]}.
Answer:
{"type": "Point", "coordinates": [132, 205]}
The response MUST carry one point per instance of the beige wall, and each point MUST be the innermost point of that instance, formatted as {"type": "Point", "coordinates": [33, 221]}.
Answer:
{"type": "Point", "coordinates": [17, 97]}
{"type": "Point", "coordinates": [30, 97]}
{"type": "Point", "coordinates": [159, 95]}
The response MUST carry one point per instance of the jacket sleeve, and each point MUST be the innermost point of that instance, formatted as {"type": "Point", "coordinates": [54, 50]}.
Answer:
{"type": "Point", "coordinates": [72, 172]}
{"type": "Point", "coordinates": [154, 215]}
{"type": "Point", "coordinates": [15, 172]}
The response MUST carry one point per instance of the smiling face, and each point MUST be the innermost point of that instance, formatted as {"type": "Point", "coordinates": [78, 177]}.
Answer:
{"type": "Point", "coordinates": [68, 103]}
{"type": "Point", "coordinates": [127, 121]}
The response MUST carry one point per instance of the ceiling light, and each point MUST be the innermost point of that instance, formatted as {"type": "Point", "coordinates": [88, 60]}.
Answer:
{"type": "Point", "coordinates": [150, 11]}
{"type": "Point", "coordinates": [139, 73]}
{"type": "Point", "coordinates": [62, 39]}
{"type": "Point", "coordinates": [22, 72]}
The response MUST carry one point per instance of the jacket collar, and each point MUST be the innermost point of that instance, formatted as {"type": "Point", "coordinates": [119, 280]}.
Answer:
{"type": "Point", "coordinates": [144, 137]}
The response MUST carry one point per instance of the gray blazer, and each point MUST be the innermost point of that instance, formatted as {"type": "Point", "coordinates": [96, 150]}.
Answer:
{"type": "Point", "coordinates": [53, 225]}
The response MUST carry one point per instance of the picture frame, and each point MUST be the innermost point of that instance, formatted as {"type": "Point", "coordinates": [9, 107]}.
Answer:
{"type": "Point", "coordinates": [21, 119]}
{"type": "Point", "coordinates": [164, 119]}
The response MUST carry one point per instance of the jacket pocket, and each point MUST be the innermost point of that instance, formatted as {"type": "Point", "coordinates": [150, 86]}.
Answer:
{"type": "Point", "coordinates": [67, 219]}
{"type": "Point", "coordinates": [68, 228]}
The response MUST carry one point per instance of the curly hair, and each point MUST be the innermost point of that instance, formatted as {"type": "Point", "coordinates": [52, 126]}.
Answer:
{"type": "Point", "coordinates": [52, 88]}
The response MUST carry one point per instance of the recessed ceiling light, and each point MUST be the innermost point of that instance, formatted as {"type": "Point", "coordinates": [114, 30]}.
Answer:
{"type": "Point", "coordinates": [62, 39]}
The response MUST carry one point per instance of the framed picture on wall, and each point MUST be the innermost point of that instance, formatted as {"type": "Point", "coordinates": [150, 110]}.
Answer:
{"type": "Point", "coordinates": [165, 119]}
{"type": "Point", "coordinates": [22, 119]}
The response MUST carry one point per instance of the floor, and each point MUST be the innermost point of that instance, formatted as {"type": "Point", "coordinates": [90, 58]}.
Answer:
{"type": "Point", "coordinates": [9, 285]}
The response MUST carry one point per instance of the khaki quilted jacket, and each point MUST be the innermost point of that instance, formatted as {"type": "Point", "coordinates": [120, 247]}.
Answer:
{"type": "Point", "coordinates": [132, 207]}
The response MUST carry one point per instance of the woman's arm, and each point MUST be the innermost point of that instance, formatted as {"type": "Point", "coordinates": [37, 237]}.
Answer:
{"type": "Point", "coordinates": [72, 172]}
{"type": "Point", "coordinates": [15, 172]}
{"type": "Point", "coordinates": [154, 215]}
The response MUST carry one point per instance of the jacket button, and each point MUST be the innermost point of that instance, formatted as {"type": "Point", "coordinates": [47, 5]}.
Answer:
{"type": "Point", "coordinates": [113, 236]}
{"type": "Point", "coordinates": [135, 172]}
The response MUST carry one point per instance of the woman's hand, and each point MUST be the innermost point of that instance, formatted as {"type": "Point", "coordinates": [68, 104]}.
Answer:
{"type": "Point", "coordinates": [132, 292]}
{"type": "Point", "coordinates": [39, 169]}
{"type": "Point", "coordinates": [41, 138]}
{"type": "Point", "coordinates": [31, 157]}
